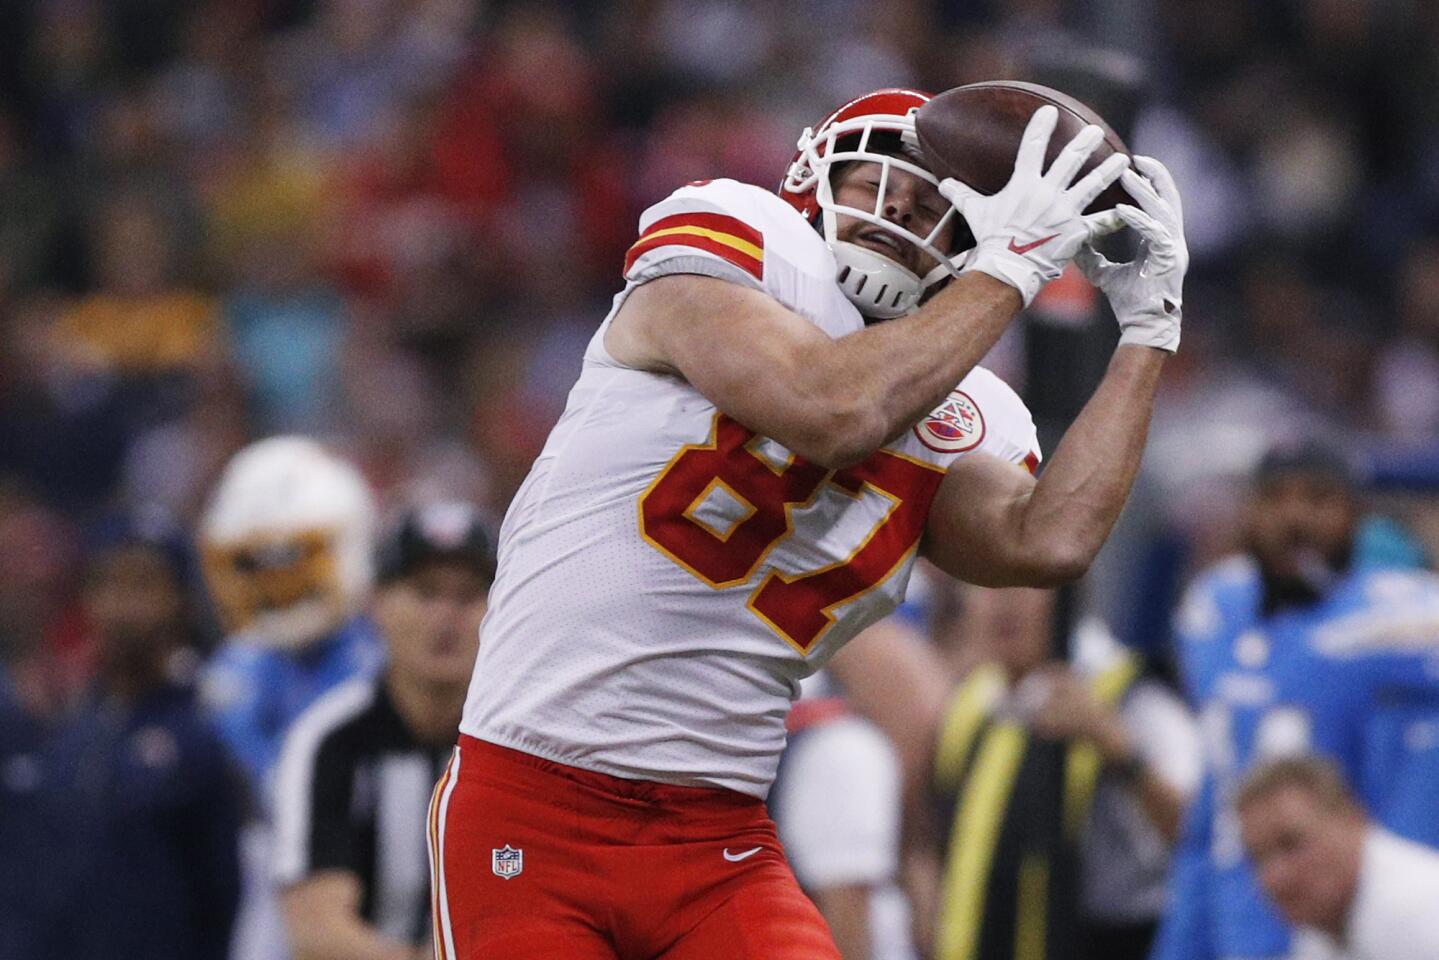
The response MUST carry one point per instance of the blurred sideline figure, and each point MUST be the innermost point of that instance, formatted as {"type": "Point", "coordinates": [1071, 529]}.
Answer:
{"type": "Point", "coordinates": [985, 881]}
{"type": "Point", "coordinates": [149, 795]}
{"type": "Point", "coordinates": [1355, 890]}
{"type": "Point", "coordinates": [287, 545]}
{"type": "Point", "coordinates": [357, 769]}
{"type": "Point", "coordinates": [836, 803]}
{"type": "Point", "coordinates": [287, 541]}
{"type": "Point", "coordinates": [1302, 645]}
{"type": "Point", "coordinates": [29, 902]}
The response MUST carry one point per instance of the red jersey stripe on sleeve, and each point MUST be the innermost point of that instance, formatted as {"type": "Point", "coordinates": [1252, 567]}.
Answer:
{"type": "Point", "coordinates": [730, 239]}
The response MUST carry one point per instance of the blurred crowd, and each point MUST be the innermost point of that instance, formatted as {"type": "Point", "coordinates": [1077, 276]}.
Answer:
{"type": "Point", "coordinates": [393, 225]}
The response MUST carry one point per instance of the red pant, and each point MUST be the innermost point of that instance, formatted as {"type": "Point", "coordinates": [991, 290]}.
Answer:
{"type": "Point", "coordinates": [600, 868]}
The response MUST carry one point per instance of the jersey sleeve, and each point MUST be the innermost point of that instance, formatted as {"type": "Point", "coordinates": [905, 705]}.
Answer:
{"type": "Point", "coordinates": [1198, 622]}
{"type": "Point", "coordinates": [839, 809]}
{"type": "Point", "coordinates": [710, 228]}
{"type": "Point", "coordinates": [1400, 769]}
{"type": "Point", "coordinates": [1007, 427]}
{"type": "Point", "coordinates": [1166, 735]}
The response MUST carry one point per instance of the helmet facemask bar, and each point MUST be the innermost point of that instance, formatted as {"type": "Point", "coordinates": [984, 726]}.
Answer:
{"type": "Point", "coordinates": [817, 158]}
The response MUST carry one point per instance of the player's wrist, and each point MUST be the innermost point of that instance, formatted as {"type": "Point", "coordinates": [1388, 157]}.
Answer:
{"type": "Point", "coordinates": [993, 258]}
{"type": "Point", "coordinates": [1152, 327]}
{"type": "Point", "coordinates": [1165, 338]}
{"type": "Point", "coordinates": [1116, 748]}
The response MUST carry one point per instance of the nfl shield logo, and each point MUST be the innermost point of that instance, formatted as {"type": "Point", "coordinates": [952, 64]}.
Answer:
{"type": "Point", "coordinates": [507, 863]}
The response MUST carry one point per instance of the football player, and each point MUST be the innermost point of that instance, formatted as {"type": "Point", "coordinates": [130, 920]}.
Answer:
{"type": "Point", "coordinates": [1302, 645]}
{"type": "Point", "coordinates": [738, 485]}
{"type": "Point", "coordinates": [287, 544]}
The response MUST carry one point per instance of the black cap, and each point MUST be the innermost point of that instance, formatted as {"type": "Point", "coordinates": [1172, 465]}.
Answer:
{"type": "Point", "coordinates": [449, 531]}
{"type": "Point", "coordinates": [1312, 457]}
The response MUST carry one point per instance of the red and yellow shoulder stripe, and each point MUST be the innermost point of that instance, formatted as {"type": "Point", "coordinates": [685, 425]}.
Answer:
{"type": "Point", "coordinates": [724, 236]}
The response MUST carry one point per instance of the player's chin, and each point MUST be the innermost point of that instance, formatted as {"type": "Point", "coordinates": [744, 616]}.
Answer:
{"type": "Point", "coordinates": [925, 265]}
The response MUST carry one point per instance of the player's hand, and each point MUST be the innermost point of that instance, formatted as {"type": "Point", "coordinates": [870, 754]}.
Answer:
{"type": "Point", "coordinates": [1147, 294]}
{"type": "Point", "coordinates": [1028, 231]}
{"type": "Point", "coordinates": [1057, 704]}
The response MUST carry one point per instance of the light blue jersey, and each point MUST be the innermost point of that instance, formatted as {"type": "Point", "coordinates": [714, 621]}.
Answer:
{"type": "Point", "coordinates": [254, 693]}
{"type": "Point", "coordinates": [1354, 677]}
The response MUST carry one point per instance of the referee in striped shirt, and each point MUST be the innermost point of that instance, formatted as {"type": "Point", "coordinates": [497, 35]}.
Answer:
{"type": "Point", "coordinates": [355, 775]}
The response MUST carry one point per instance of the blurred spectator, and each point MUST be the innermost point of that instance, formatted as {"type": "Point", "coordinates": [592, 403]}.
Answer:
{"type": "Point", "coordinates": [142, 318]}
{"type": "Point", "coordinates": [63, 428]}
{"type": "Point", "coordinates": [1128, 748]}
{"type": "Point", "coordinates": [287, 542]}
{"type": "Point", "coordinates": [28, 212]}
{"type": "Point", "coordinates": [148, 793]}
{"type": "Point", "coordinates": [30, 901]}
{"type": "Point", "coordinates": [1408, 378]}
{"type": "Point", "coordinates": [358, 767]}
{"type": "Point", "coordinates": [175, 463]}
{"type": "Point", "coordinates": [1357, 891]}
{"type": "Point", "coordinates": [836, 803]}
{"type": "Point", "coordinates": [1299, 646]}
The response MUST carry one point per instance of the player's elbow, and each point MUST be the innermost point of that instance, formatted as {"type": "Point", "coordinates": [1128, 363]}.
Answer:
{"type": "Point", "coordinates": [841, 435]}
{"type": "Point", "coordinates": [1031, 563]}
{"type": "Point", "coordinates": [1058, 562]}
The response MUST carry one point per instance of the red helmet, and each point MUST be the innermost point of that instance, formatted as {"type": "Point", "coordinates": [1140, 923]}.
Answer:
{"type": "Point", "coordinates": [877, 128]}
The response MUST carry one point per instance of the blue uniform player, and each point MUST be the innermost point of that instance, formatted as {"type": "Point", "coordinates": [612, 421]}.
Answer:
{"type": "Point", "coordinates": [287, 541]}
{"type": "Point", "coordinates": [255, 693]}
{"type": "Point", "coordinates": [1301, 646]}
{"type": "Point", "coordinates": [287, 545]}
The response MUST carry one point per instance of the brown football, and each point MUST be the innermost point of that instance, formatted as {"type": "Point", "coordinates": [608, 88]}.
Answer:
{"type": "Point", "coordinates": [972, 133]}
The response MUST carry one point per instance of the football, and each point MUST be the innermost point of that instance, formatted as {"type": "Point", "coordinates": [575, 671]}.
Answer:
{"type": "Point", "coordinates": [972, 133]}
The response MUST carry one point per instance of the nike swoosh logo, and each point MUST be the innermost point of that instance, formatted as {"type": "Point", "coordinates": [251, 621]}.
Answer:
{"type": "Point", "coordinates": [1030, 246]}
{"type": "Point", "coordinates": [737, 857]}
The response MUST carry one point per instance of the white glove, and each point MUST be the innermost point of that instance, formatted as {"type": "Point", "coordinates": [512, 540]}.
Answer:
{"type": "Point", "coordinates": [1028, 231]}
{"type": "Point", "coordinates": [1147, 293]}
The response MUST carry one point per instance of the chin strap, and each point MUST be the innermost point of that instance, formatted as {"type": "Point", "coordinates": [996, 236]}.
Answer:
{"type": "Point", "coordinates": [880, 288]}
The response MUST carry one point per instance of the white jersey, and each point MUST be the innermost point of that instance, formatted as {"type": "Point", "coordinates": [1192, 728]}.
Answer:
{"type": "Point", "coordinates": [667, 577]}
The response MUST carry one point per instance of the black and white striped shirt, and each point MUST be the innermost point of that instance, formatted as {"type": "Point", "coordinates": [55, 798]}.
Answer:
{"type": "Point", "coordinates": [351, 793]}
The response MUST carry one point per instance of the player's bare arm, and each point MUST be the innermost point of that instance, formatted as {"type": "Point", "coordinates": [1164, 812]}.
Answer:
{"type": "Point", "coordinates": [890, 656]}
{"type": "Point", "coordinates": [836, 401]}
{"type": "Point", "coordinates": [833, 402]}
{"type": "Point", "coordinates": [994, 525]}
{"type": "Point", "coordinates": [322, 915]}
{"type": "Point", "coordinates": [886, 657]}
